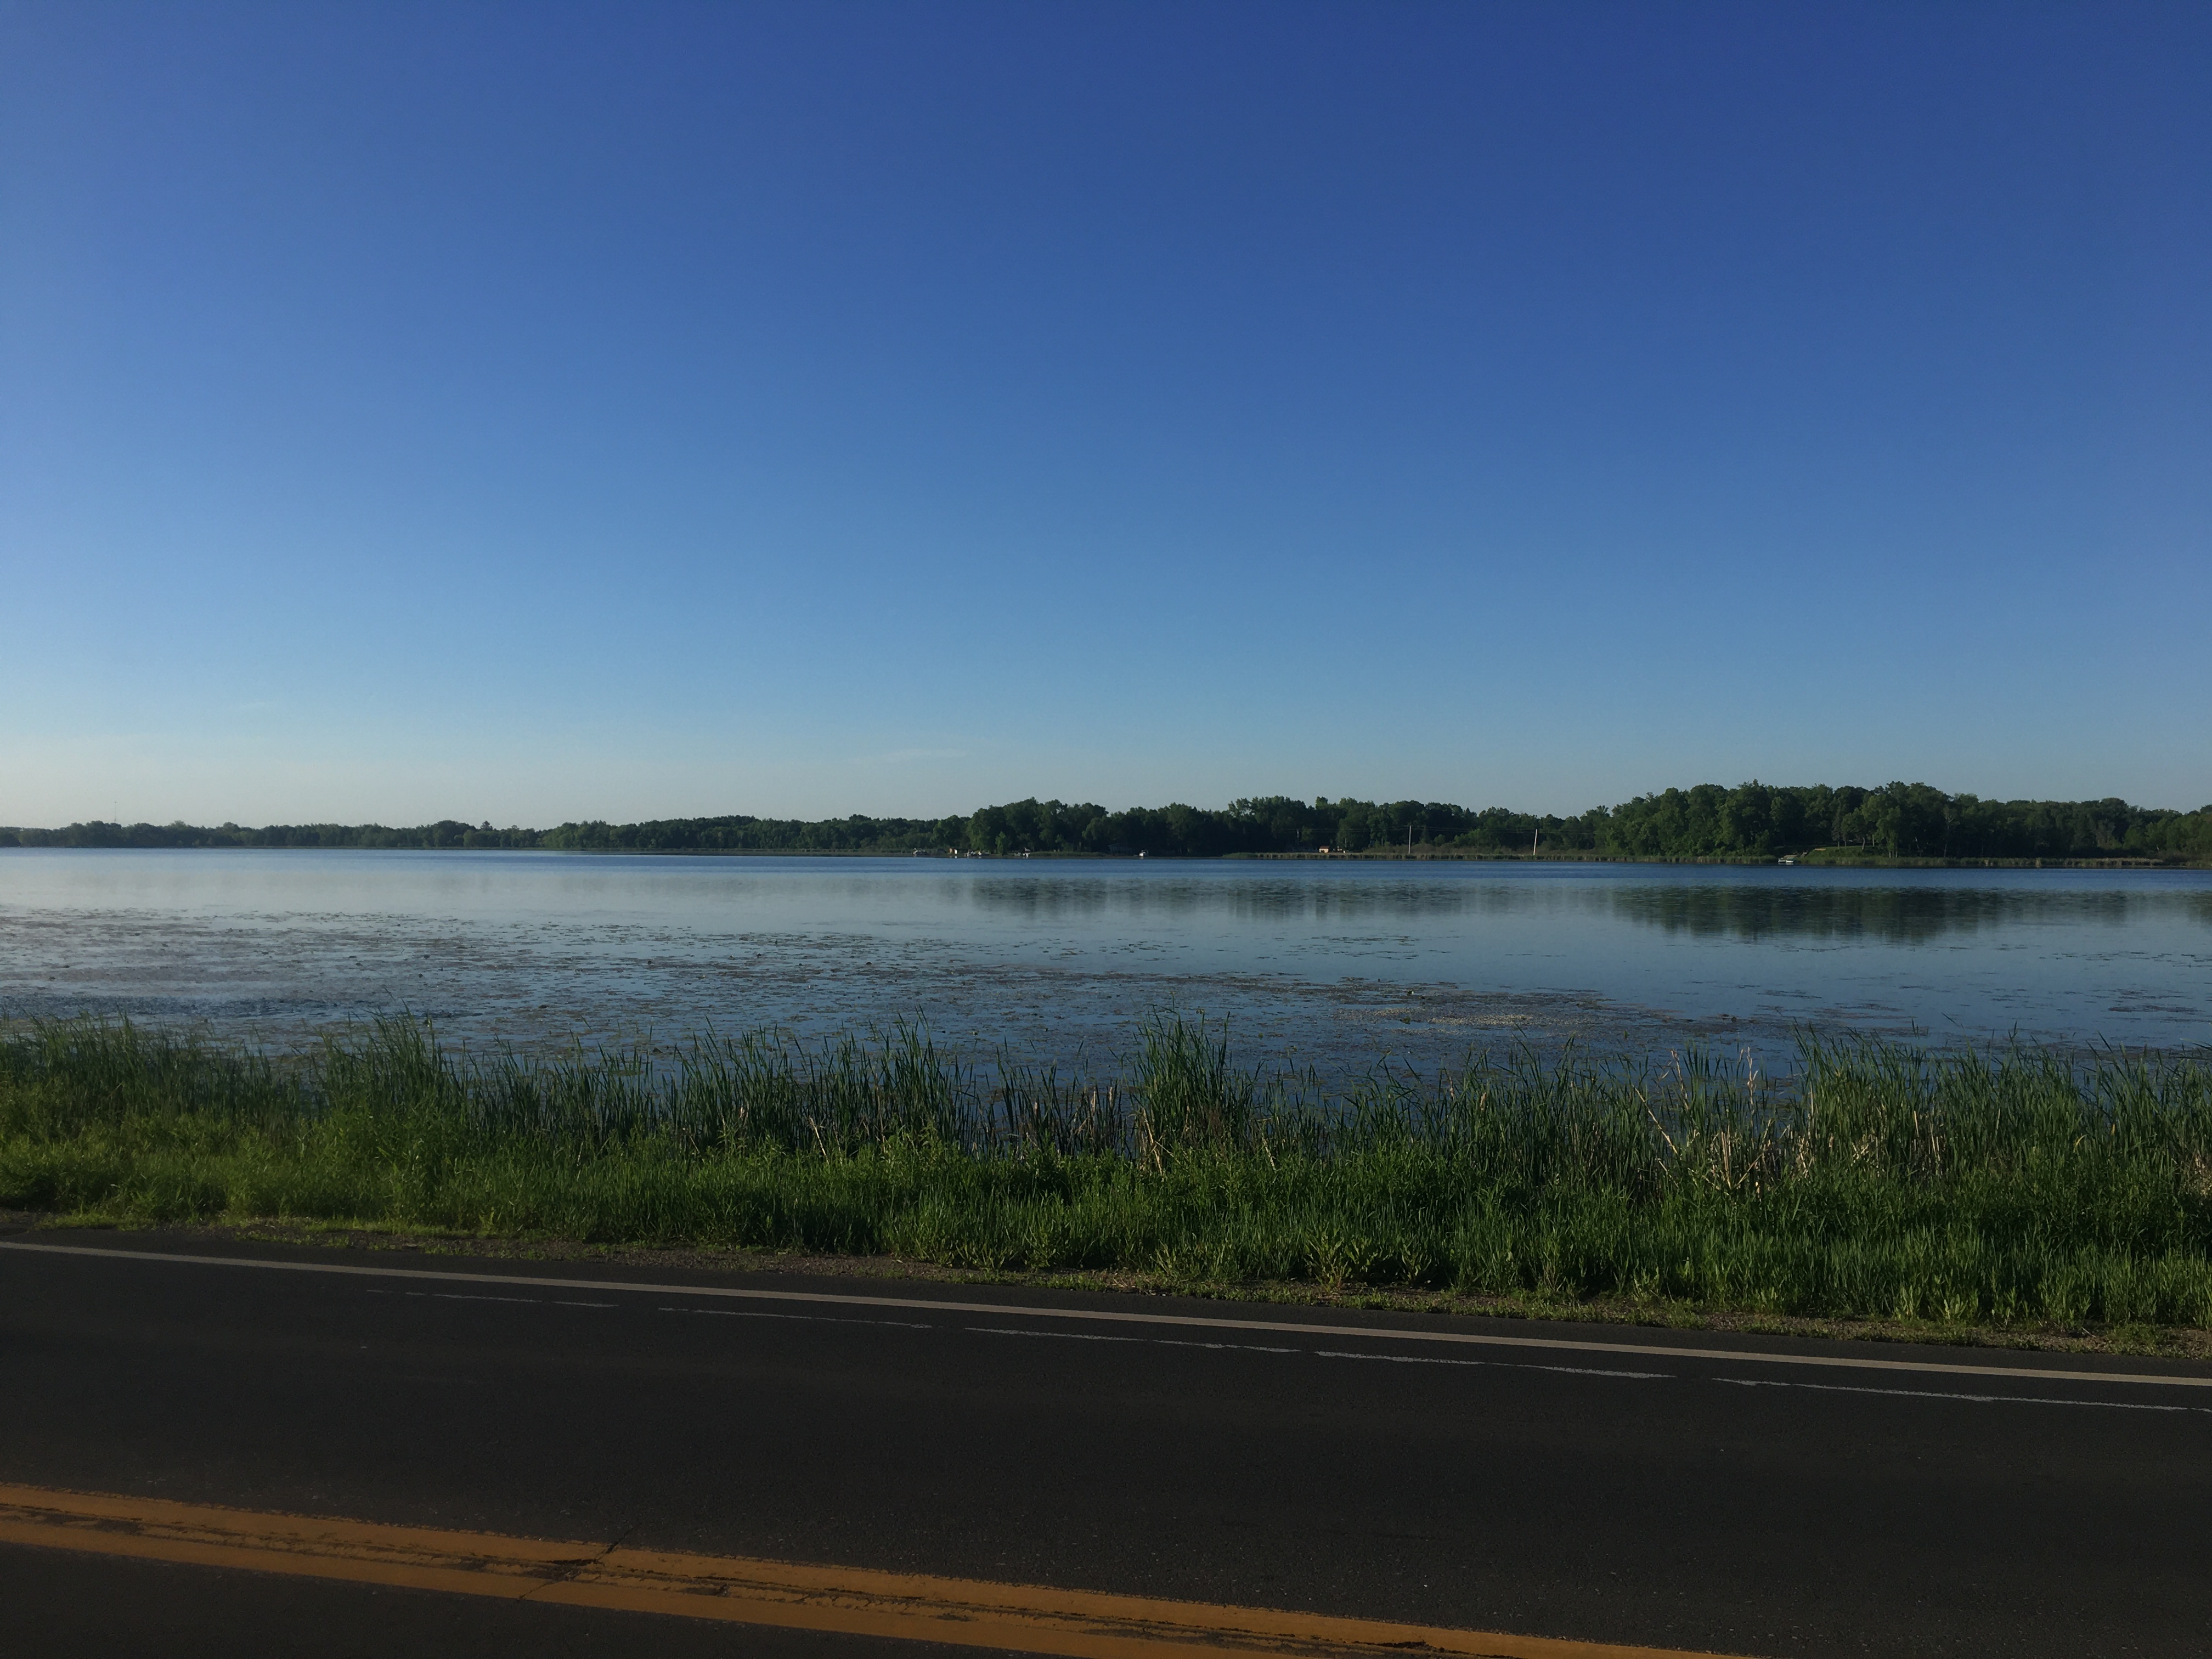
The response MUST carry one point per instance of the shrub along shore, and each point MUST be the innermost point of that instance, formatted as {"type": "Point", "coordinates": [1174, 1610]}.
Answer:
{"type": "Point", "coordinates": [2009, 1189]}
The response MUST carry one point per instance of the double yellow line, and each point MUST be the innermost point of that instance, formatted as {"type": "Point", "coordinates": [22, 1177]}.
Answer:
{"type": "Point", "coordinates": [848, 1600]}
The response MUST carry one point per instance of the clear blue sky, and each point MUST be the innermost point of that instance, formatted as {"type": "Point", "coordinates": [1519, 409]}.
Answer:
{"type": "Point", "coordinates": [541, 411]}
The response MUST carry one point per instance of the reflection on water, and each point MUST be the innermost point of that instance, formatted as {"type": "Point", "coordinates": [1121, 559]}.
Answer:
{"type": "Point", "coordinates": [1738, 903]}
{"type": "Point", "coordinates": [1310, 960]}
{"type": "Point", "coordinates": [1904, 915]}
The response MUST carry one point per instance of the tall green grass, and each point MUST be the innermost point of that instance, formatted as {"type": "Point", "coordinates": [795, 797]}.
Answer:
{"type": "Point", "coordinates": [1877, 1182]}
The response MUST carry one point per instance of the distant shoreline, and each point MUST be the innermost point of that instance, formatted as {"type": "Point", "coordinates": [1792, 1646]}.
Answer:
{"type": "Point", "coordinates": [1899, 825]}
{"type": "Point", "coordinates": [1817, 858]}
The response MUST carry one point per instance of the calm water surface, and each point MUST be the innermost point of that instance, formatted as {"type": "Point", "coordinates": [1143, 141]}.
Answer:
{"type": "Point", "coordinates": [1333, 963]}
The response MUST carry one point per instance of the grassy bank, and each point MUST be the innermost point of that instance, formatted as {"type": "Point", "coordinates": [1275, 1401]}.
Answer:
{"type": "Point", "coordinates": [1878, 1183]}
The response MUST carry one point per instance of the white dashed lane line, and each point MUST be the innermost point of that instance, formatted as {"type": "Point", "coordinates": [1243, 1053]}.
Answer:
{"type": "Point", "coordinates": [1968, 1399]}
{"type": "Point", "coordinates": [1491, 1364]}
{"type": "Point", "coordinates": [1483, 1364]}
{"type": "Point", "coordinates": [1147, 1341]}
{"type": "Point", "coordinates": [1970, 1377]}
{"type": "Point", "coordinates": [456, 1296]}
{"type": "Point", "coordinates": [1956, 1396]}
{"type": "Point", "coordinates": [802, 1319]}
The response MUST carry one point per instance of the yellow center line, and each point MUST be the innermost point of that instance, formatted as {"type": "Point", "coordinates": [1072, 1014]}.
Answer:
{"type": "Point", "coordinates": [847, 1601]}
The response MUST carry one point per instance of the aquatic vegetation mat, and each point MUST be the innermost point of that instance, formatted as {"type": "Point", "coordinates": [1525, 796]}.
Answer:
{"type": "Point", "coordinates": [1874, 1181]}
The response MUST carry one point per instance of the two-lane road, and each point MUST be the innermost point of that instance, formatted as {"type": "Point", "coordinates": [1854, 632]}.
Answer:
{"type": "Point", "coordinates": [1574, 1482]}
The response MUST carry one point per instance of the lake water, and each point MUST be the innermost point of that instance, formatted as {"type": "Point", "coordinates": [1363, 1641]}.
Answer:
{"type": "Point", "coordinates": [1336, 963]}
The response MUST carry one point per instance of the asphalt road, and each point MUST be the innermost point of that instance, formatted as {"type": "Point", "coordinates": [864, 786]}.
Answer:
{"type": "Point", "coordinates": [1715, 1503]}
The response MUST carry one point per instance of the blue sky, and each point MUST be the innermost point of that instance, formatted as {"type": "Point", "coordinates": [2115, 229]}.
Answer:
{"type": "Point", "coordinates": [545, 412]}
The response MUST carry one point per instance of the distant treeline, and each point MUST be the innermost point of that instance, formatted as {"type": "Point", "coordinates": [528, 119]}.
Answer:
{"type": "Point", "coordinates": [1753, 820]}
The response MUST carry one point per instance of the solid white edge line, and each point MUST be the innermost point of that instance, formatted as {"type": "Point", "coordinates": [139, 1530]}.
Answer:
{"type": "Point", "coordinates": [1369, 1333]}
